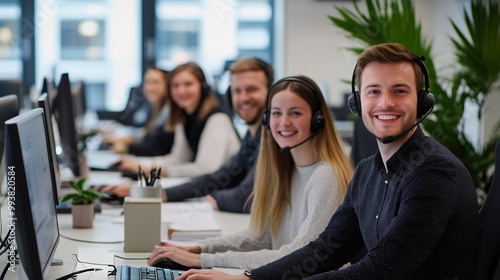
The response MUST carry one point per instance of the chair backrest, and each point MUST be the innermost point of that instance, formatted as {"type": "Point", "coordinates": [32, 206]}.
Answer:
{"type": "Point", "coordinates": [364, 144]}
{"type": "Point", "coordinates": [136, 112]}
{"type": "Point", "coordinates": [489, 238]}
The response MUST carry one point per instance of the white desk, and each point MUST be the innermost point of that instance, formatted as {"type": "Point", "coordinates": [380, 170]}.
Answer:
{"type": "Point", "coordinates": [108, 236]}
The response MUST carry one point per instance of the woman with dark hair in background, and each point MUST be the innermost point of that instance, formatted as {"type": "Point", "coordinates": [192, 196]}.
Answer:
{"type": "Point", "coordinates": [154, 139]}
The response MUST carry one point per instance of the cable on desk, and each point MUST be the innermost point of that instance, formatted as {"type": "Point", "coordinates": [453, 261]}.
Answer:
{"type": "Point", "coordinates": [7, 265]}
{"type": "Point", "coordinates": [68, 276]}
{"type": "Point", "coordinates": [113, 272]}
{"type": "Point", "coordinates": [89, 241]}
{"type": "Point", "coordinates": [7, 246]}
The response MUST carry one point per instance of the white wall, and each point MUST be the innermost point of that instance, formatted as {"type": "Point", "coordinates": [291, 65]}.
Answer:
{"type": "Point", "coordinates": [315, 47]}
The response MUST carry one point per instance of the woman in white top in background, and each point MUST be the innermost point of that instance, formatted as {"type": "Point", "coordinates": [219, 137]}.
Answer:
{"type": "Point", "coordinates": [301, 178]}
{"type": "Point", "coordinates": [204, 135]}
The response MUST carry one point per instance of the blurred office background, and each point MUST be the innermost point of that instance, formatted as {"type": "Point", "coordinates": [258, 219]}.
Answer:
{"type": "Point", "coordinates": [108, 43]}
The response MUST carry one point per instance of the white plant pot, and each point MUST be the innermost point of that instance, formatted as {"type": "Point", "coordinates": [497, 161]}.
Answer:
{"type": "Point", "coordinates": [83, 215]}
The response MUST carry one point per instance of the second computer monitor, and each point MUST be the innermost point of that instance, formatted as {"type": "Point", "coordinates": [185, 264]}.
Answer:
{"type": "Point", "coordinates": [44, 103]}
{"type": "Point", "coordinates": [66, 124]}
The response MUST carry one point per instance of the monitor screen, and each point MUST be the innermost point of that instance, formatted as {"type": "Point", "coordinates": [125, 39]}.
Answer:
{"type": "Point", "coordinates": [44, 103]}
{"type": "Point", "coordinates": [79, 100]}
{"type": "Point", "coordinates": [29, 180]}
{"type": "Point", "coordinates": [9, 108]}
{"type": "Point", "coordinates": [63, 109]}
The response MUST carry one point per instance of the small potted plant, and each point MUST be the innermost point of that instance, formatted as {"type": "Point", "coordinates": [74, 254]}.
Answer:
{"type": "Point", "coordinates": [82, 204]}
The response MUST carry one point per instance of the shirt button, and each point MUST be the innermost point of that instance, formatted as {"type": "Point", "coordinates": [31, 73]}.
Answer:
{"type": "Point", "coordinates": [386, 182]}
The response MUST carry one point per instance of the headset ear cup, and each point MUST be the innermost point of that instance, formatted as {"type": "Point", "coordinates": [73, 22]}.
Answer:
{"type": "Point", "coordinates": [265, 119]}
{"type": "Point", "coordinates": [353, 103]}
{"type": "Point", "coordinates": [317, 122]}
{"type": "Point", "coordinates": [205, 90]}
{"type": "Point", "coordinates": [425, 103]}
{"type": "Point", "coordinates": [229, 98]}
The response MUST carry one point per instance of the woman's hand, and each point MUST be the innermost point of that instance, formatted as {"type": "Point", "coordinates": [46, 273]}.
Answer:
{"type": "Point", "coordinates": [130, 164]}
{"type": "Point", "coordinates": [212, 202]}
{"type": "Point", "coordinates": [176, 254]}
{"type": "Point", "coordinates": [208, 274]}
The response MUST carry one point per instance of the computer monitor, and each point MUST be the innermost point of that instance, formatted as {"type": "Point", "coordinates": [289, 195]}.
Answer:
{"type": "Point", "coordinates": [63, 111]}
{"type": "Point", "coordinates": [79, 100]}
{"type": "Point", "coordinates": [44, 103]}
{"type": "Point", "coordinates": [9, 108]}
{"type": "Point", "coordinates": [36, 226]}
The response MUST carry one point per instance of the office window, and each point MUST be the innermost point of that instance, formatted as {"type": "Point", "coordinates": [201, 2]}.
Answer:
{"type": "Point", "coordinates": [180, 38]}
{"type": "Point", "coordinates": [212, 33]}
{"type": "Point", "coordinates": [10, 40]}
{"type": "Point", "coordinates": [82, 39]}
{"type": "Point", "coordinates": [97, 42]}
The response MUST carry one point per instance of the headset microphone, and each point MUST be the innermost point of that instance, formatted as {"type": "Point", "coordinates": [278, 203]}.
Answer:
{"type": "Point", "coordinates": [389, 139]}
{"type": "Point", "coordinates": [287, 149]}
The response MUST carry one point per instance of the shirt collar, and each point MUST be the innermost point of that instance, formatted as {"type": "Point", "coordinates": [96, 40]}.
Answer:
{"type": "Point", "coordinates": [395, 161]}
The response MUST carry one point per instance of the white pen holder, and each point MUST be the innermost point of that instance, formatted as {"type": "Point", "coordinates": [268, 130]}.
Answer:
{"type": "Point", "coordinates": [142, 224]}
{"type": "Point", "coordinates": [145, 192]}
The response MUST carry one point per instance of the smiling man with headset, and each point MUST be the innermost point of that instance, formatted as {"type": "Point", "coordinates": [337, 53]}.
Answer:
{"type": "Point", "coordinates": [412, 204]}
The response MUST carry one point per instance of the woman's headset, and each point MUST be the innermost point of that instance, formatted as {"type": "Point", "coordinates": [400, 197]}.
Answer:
{"type": "Point", "coordinates": [317, 120]}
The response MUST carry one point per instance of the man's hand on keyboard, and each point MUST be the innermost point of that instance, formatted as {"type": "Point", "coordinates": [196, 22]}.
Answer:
{"type": "Point", "coordinates": [177, 254]}
{"type": "Point", "coordinates": [120, 190]}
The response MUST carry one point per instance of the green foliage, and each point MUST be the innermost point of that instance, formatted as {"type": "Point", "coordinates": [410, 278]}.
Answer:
{"type": "Point", "coordinates": [82, 195]}
{"type": "Point", "coordinates": [394, 21]}
{"type": "Point", "coordinates": [84, 138]}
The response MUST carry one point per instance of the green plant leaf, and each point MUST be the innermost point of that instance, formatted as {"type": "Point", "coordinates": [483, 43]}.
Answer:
{"type": "Point", "coordinates": [477, 51]}
{"type": "Point", "coordinates": [82, 195]}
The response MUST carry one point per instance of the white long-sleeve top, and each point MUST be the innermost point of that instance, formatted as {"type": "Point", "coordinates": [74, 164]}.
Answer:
{"type": "Point", "coordinates": [315, 195]}
{"type": "Point", "coordinates": [218, 142]}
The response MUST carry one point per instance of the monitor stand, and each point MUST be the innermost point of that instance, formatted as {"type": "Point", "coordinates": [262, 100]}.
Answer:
{"type": "Point", "coordinates": [56, 262]}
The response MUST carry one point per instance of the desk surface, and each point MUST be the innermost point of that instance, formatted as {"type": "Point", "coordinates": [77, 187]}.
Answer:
{"type": "Point", "coordinates": [105, 241]}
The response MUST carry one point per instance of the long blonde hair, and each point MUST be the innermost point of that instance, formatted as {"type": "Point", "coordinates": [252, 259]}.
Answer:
{"type": "Point", "coordinates": [208, 100]}
{"type": "Point", "coordinates": [274, 169]}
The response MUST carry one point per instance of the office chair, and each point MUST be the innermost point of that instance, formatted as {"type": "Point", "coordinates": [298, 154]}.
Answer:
{"type": "Point", "coordinates": [487, 258]}
{"type": "Point", "coordinates": [364, 144]}
{"type": "Point", "coordinates": [136, 112]}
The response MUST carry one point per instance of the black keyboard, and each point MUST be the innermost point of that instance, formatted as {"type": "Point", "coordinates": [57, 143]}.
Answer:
{"type": "Point", "coordinates": [125, 272]}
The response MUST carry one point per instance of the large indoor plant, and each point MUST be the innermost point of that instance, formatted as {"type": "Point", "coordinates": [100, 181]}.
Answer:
{"type": "Point", "coordinates": [477, 58]}
{"type": "Point", "coordinates": [82, 203]}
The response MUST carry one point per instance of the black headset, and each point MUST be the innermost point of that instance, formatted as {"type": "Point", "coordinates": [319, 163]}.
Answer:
{"type": "Point", "coordinates": [425, 102]}
{"type": "Point", "coordinates": [205, 87]}
{"type": "Point", "coordinates": [268, 71]}
{"type": "Point", "coordinates": [317, 120]}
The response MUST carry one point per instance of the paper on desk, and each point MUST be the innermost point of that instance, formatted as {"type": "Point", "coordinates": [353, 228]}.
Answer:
{"type": "Point", "coordinates": [94, 256]}
{"type": "Point", "coordinates": [195, 227]}
{"type": "Point", "coordinates": [101, 159]}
